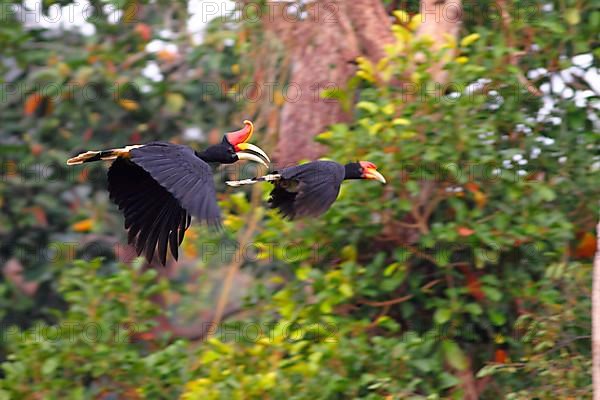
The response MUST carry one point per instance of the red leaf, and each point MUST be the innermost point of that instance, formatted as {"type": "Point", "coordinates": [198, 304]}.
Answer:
{"type": "Point", "coordinates": [500, 356]}
{"type": "Point", "coordinates": [464, 231]}
{"type": "Point", "coordinates": [473, 283]}
{"type": "Point", "coordinates": [586, 248]}
{"type": "Point", "coordinates": [144, 31]}
{"type": "Point", "coordinates": [31, 103]}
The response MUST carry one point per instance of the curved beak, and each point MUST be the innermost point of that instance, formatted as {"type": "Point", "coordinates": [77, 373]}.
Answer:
{"type": "Point", "coordinates": [242, 155]}
{"type": "Point", "coordinates": [256, 149]}
{"type": "Point", "coordinates": [371, 173]}
{"type": "Point", "coordinates": [239, 140]}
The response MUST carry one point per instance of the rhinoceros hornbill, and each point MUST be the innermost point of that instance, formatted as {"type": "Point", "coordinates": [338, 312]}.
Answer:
{"type": "Point", "coordinates": [310, 189]}
{"type": "Point", "coordinates": [159, 186]}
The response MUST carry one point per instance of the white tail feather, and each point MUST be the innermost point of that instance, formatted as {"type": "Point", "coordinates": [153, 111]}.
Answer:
{"type": "Point", "coordinates": [252, 181]}
{"type": "Point", "coordinates": [105, 155]}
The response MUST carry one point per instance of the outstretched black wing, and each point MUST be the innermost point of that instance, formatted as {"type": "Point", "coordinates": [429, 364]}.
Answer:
{"type": "Point", "coordinates": [308, 189]}
{"type": "Point", "coordinates": [158, 189]}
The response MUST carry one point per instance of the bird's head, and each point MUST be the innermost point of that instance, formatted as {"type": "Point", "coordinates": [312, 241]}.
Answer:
{"type": "Point", "coordinates": [235, 147]}
{"type": "Point", "coordinates": [238, 142]}
{"type": "Point", "coordinates": [363, 170]}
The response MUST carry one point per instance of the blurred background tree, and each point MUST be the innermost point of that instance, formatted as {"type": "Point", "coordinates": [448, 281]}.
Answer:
{"type": "Point", "coordinates": [467, 276]}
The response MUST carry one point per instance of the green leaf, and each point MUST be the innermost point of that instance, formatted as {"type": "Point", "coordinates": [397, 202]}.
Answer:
{"type": "Point", "coordinates": [572, 16]}
{"type": "Point", "coordinates": [448, 380]}
{"type": "Point", "coordinates": [346, 290]}
{"type": "Point", "coordinates": [175, 102]}
{"type": "Point", "coordinates": [389, 270]}
{"type": "Point", "coordinates": [470, 39]}
{"type": "Point", "coordinates": [454, 355]}
{"type": "Point", "coordinates": [497, 318]}
{"type": "Point", "coordinates": [333, 93]}
{"type": "Point", "coordinates": [442, 315]}
{"type": "Point", "coordinates": [488, 370]}
{"type": "Point", "coordinates": [49, 366]}
{"type": "Point", "coordinates": [425, 365]}
{"type": "Point", "coordinates": [349, 253]}
{"type": "Point", "coordinates": [392, 282]}
{"type": "Point", "coordinates": [492, 293]}
{"type": "Point", "coordinates": [303, 272]}
{"type": "Point", "coordinates": [368, 106]}
{"type": "Point", "coordinates": [546, 193]}
{"type": "Point", "coordinates": [474, 308]}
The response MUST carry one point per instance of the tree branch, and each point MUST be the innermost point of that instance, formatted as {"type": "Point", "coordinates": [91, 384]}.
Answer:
{"type": "Point", "coordinates": [244, 239]}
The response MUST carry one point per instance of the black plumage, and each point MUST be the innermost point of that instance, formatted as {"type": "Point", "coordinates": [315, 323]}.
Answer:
{"type": "Point", "coordinates": [184, 174]}
{"type": "Point", "coordinates": [158, 189]}
{"type": "Point", "coordinates": [308, 189]}
{"type": "Point", "coordinates": [159, 186]}
{"type": "Point", "coordinates": [140, 197]}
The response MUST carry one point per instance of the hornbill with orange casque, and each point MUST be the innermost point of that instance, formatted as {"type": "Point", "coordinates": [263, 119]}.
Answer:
{"type": "Point", "coordinates": [310, 189]}
{"type": "Point", "coordinates": [159, 186]}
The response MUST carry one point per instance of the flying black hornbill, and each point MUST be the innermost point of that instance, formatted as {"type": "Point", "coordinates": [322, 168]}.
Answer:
{"type": "Point", "coordinates": [159, 186]}
{"type": "Point", "coordinates": [310, 189]}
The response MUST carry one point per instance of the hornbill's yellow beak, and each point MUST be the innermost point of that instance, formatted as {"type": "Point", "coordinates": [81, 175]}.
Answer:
{"type": "Point", "coordinates": [239, 141]}
{"type": "Point", "coordinates": [374, 174]}
{"type": "Point", "coordinates": [251, 157]}
{"type": "Point", "coordinates": [370, 172]}
{"type": "Point", "coordinates": [256, 149]}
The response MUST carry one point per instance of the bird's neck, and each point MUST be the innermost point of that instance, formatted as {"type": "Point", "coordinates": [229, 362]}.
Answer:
{"type": "Point", "coordinates": [206, 156]}
{"type": "Point", "coordinates": [352, 171]}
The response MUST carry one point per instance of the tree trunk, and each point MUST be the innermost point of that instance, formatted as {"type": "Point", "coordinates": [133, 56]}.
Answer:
{"type": "Point", "coordinates": [440, 18]}
{"type": "Point", "coordinates": [322, 49]}
{"type": "Point", "coordinates": [323, 60]}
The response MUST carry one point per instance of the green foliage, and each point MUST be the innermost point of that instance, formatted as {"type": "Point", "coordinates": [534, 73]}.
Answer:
{"type": "Point", "coordinates": [437, 272]}
{"type": "Point", "coordinates": [61, 97]}
{"type": "Point", "coordinates": [94, 349]}
{"type": "Point", "coordinates": [555, 340]}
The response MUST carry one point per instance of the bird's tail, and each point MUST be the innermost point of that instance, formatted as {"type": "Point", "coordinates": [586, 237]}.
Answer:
{"type": "Point", "coordinates": [101, 155]}
{"type": "Point", "coordinates": [252, 181]}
